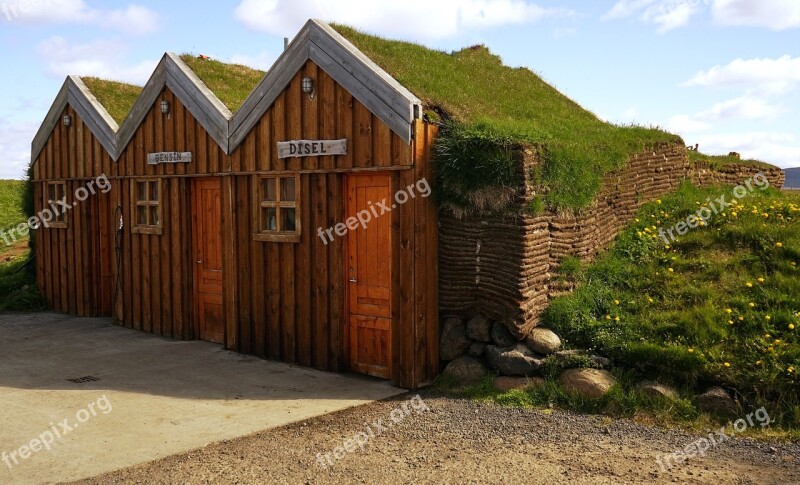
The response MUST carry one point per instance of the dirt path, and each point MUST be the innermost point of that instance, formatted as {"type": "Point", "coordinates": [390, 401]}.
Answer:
{"type": "Point", "coordinates": [459, 441]}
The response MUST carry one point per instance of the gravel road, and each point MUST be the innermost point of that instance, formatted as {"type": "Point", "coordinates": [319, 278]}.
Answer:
{"type": "Point", "coordinates": [454, 441]}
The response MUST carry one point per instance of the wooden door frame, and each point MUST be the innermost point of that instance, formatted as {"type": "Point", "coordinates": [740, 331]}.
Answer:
{"type": "Point", "coordinates": [193, 240]}
{"type": "Point", "coordinates": [345, 344]}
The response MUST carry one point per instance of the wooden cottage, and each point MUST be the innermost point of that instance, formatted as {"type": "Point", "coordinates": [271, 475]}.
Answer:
{"type": "Point", "coordinates": [294, 225]}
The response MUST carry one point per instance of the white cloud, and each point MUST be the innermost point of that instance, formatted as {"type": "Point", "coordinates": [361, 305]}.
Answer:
{"type": "Point", "coordinates": [416, 19]}
{"type": "Point", "coordinates": [15, 145]}
{"type": "Point", "coordinates": [102, 58]}
{"type": "Point", "coordinates": [263, 60]}
{"type": "Point", "coordinates": [772, 14]}
{"type": "Point", "coordinates": [763, 74]}
{"type": "Point", "coordinates": [683, 124]}
{"type": "Point", "coordinates": [665, 14]}
{"type": "Point", "coordinates": [671, 14]}
{"type": "Point", "coordinates": [741, 108]}
{"type": "Point", "coordinates": [133, 19]}
{"type": "Point", "coordinates": [782, 149]}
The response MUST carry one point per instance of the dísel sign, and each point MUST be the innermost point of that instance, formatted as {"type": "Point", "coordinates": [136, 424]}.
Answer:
{"type": "Point", "coordinates": [311, 148]}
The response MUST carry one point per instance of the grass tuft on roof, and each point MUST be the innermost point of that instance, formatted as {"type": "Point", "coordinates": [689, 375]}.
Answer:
{"type": "Point", "coordinates": [496, 107]}
{"type": "Point", "coordinates": [116, 97]}
{"type": "Point", "coordinates": [720, 161]}
{"type": "Point", "coordinates": [231, 83]}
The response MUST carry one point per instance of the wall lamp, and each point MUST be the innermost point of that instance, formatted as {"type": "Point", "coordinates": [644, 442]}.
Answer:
{"type": "Point", "coordinates": [165, 107]}
{"type": "Point", "coordinates": [308, 87]}
{"type": "Point", "coordinates": [67, 121]}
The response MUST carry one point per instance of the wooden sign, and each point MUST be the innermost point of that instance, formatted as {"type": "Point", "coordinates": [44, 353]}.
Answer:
{"type": "Point", "coordinates": [309, 148]}
{"type": "Point", "coordinates": [169, 157]}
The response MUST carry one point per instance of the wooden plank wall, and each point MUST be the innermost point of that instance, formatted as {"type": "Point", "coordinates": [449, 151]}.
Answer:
{"type": "Point", "coordinates": [74, 267]}
{"type": "Point", "coordinates": [283, 301]}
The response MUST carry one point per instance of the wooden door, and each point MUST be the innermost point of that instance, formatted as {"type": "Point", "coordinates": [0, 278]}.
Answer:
{"type": "Point", "coordinates": [368, 265]}
{"type": "Point", "coordinates": [207, 232]}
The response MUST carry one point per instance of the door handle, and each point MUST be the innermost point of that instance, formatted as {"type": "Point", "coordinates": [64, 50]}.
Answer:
{"type": "Point", "coordinates": [353, 280]}
{"type": "Point", "coordinates": [199, 261]}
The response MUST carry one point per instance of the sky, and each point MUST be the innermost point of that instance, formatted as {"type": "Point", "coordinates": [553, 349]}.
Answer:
{"type": "Point", "coordinates": [724, 74]}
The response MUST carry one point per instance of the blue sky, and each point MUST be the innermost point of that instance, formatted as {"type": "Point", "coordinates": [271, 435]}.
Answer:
{"type": "Point", "coordinates": [721, 73]}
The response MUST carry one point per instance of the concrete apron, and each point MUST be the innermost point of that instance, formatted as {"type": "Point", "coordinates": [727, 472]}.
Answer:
{"type": "Point", "coordinates": [155, 396]}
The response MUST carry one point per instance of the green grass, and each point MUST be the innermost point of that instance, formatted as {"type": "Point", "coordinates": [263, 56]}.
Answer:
{"type": "Point", "coordinates": [495, 107]}
{"type": "Point", "coordinates": [18, 291]}
{"type": "Point", "coordinates": [720, 161]}
{"type": "Point", "coordinates": [117, 98]}
{"type": "Point", "coordinates": [11, 194]}
{"type": "Point", "coordinates": [718, 306]}
{"type": "Point", "coordinates": [622, 401]}
{"type": "Point", "coordinates": [232, 83]}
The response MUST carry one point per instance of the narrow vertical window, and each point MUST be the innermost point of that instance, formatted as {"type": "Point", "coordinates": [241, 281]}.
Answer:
{"type": "Point", "coordinates": [277, 206]}
{"type": "Point", "coordinates": [56, 200]}
{"type": "Point", "coordinates": [147, 206]}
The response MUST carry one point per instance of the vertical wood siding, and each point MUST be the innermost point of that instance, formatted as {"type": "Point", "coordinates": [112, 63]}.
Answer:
{"type": "Point", "coordinates": [74, 267]}
{"type": "Point", "coordinates": [283, 301]}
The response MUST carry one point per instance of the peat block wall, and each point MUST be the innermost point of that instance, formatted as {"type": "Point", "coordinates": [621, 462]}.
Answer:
{"type": "Point", "coordinates": [502, 266]}
{"type": "Point", "coordinates": [735, 174]}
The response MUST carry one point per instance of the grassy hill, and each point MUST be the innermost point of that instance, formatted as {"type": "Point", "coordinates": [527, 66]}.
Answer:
{"type": "Point", "coordinates": [493, 107]}
{"type": "Point", "coordinates": [11, 203]}
{"type": "Point", "coordinates": [18, 290]}
{"type": "Point", "coordinates": [717, 306]}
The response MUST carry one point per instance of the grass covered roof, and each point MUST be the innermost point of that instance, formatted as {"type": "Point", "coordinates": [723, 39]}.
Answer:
{"type": "Point", "coordinates": [116, 97]}
{"type": "Point", "coordinates": [488, 110]}
{"type": "Point", "coordinates": [232, 83]}
{"type": "Point", "coordinates": [494, 105]}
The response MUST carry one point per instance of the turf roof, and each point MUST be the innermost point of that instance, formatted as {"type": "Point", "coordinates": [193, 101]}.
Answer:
{"type": "Point", "coordinates": [232, 83]}
{"type": "Point", "coordinates": [116, 97]}
{"type": "Point", "coordinates": [719, 161]}
{"type": "Point", "coordinates": [505, 105]}
{"type": "Point", "coordinates": [488, 107]}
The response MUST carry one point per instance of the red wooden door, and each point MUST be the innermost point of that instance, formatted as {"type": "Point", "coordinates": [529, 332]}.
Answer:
{"type": "Point", "coordinates": [369, 274]}
{"type": "Point", "coordinates": [207, 224]}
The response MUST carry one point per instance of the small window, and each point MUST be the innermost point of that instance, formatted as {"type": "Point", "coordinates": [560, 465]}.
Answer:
{"type": "Point", "coordinates": [147, 206]}
{"type": "Point", "coordinates": [278, 208]}
{"type": "Point", "coordinates": [56, 200]}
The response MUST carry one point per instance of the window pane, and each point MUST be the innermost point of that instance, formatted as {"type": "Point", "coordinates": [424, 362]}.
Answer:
{"type": "Point", "coordinates": [141, 191]}
{"type": "Point", "coordinates": [269, 190]}
{"type": "Point", "coordinates": [154, 215]}
{"type": "Point", "coordinates": [288, 189]}
{"type": "Point", "coordinates": [51, 193]}
{"type": "Point", "coordinates": [141, 216]}
{"type": "Point", "coordinates": [269, 219]}
{"type": "Point", "coordinates": [289, 220]}
{"type": "Point", "coordinates": [154, 191]}
{"type": "Point", "coordinates": [61, 191]}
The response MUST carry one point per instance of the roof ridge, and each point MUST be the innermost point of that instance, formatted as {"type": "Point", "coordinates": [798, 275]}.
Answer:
{"type": "Point", "coordinates": [317, 41]}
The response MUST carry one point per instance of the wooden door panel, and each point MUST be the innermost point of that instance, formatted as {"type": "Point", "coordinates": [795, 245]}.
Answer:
{"type": "Point", "coordinates": [369, 273]}
{"type": "Point", "coordinates": [207, 219]}
{"type": "Point", "coordinates": [370, 345]}
{"type": "Point", "coordinates": [211, 314]}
